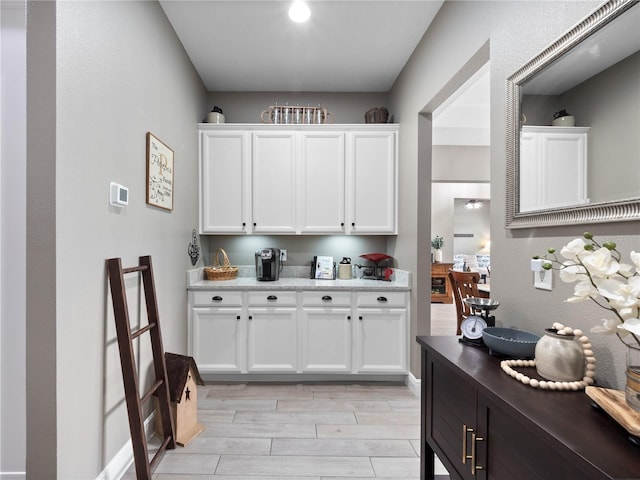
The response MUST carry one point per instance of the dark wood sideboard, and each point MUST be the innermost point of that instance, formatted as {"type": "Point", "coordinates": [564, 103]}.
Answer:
{"type": "Point", "coordinates": [483, 424]}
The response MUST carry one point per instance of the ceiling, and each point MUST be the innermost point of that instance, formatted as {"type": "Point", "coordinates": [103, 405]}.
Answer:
{"type": "Point", "coordinates": [346, 45]}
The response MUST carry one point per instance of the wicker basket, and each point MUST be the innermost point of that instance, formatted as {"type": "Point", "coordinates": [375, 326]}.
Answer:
{"type": "Point", "coordinates": [222, 271]}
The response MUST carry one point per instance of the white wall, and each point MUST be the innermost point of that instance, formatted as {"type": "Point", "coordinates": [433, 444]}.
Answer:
{"type": "Point", "coordinates": [117, 72]}
{"type": "Point", "coordinates": [12, 242]}
{"type": "Point", "coordinates": [516, 31]}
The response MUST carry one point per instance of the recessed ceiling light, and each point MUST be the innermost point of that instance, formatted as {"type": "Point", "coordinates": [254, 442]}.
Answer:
{"type": "Point", "coordinates": [299, 12]}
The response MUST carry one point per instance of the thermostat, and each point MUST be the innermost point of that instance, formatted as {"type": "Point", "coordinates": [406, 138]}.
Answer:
{"type": "Point", "coordinates": [118, 195]}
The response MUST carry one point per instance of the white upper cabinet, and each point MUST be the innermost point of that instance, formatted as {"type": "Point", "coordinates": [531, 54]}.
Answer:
{"type": "Point", "coordinates": [321, 182]}
{"type": "Point", "coordinates": [290, 179]}
{"type": "Point", "coordinates": [225, 181]}
{"type": "Point", "coordinates": [553, 167]}
{"type": "Point", "coordinates": [371, 182]}
{"type": "Point", "coordinates": [274, 182]}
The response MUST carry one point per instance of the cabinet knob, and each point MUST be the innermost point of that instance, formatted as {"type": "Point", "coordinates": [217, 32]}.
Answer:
{"type": "Point", "coordinates": [244, 224]}
{"type": "Point", "coordinates": [327, 298]}
{"type": "Point", "coordinates": [250, 317]}
{"type": "Point", "coordinates": [353, 224]}
{"type": "Point", "coordinates": [342, 224]}
{"type": "Point", "coordinates": [272, 298]}
{"type": "Point", "coordinates": [360, 318]}
{"type": "Point", "coordinates": [382, 299]}
{"type": "Point", "coordinates": [254, 224]}
{"type": "Point", "coordinates": [348, 317]}
{"type": "Point", "coordinates": [237, 317]}
{"type": "Point", "coordinates": [217, 298]}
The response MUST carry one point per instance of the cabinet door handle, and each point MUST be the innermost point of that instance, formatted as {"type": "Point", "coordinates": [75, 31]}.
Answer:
{"type": "Point", "coordinates": [474, 460]}
{"type": "Point", "coordinates": [254, 224]}
{"type": "Point", "coordinates": [327, 298]}
{"type": "Point", "coordinates": [237, 317]}
{"type": "Point", "coordinates": [250, 317]}
{"type": "Point", "coordinates": [348, 317]}
{"type": "Point", "coordinates": [360, 318]}
{"type": "Point", "coordinates": [217, 298]}
{"type": "Point", "coordinates": [382, 299]}
{"type": "Point", "coordinates": [272, 298]}
{"type": "Point", "coordinates": [465, 432]}
{"type": "Point", "coordinates": [342, 224]}
{"type": "Point", "coordinates": [353, 224]}
{"type": "Point", "coordinates": [244, 224]}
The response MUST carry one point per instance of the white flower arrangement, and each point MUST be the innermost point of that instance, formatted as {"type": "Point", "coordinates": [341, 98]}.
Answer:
{"type": "Point", "coordinates": [602, 278]}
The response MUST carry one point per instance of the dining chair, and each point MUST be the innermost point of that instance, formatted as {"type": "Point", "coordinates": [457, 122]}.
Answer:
{"type": "Point", "coordinates": [463, 285]}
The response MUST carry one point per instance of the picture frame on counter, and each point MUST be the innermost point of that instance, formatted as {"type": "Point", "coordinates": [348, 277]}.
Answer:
{"type": "Point", "coordinates": [159, 173]}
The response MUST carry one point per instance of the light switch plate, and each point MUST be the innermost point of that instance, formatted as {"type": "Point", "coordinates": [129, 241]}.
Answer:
{"type": "Point", "coordinates": [543, 279]}
{"type": "Point", "coordinates": [118, 195]}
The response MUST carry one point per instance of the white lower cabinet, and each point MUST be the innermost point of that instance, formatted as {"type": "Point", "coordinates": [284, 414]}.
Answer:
{"type": "Point", "coordinates": [381, 333]}
{"type": "Point", "coordinates": [299, 332]}
{"type": "Point", "coordinates": [217, 331]}
{"type": "Point", "coordinates": [326, 339]}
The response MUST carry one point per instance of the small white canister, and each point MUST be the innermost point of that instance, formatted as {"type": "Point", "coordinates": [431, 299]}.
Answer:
{"type": "Point", "coordinates": [215, 115]}
{"type": "Point", "coordinates": [345, 271]}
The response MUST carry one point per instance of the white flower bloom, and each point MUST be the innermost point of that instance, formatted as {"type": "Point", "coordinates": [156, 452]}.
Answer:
{"type": "Point", "coordinates": [626, 270]}
{"type": "Point", "coordinates": [632, 325]}
{"type": "Point", "coordinates": [619, 293]}
{"type": "Point", "coordinates": [582, 291]}
{"type": "Point", "coordinates": [572, 249]}
{"type": "Point", "coordinates": [609, 326]}
{"type": "Point", "coordinates": [635, 258]}
{"type": "Point", "coordinates": [572, 272]}
{"type": "Point", "coordinates": [600, 263]}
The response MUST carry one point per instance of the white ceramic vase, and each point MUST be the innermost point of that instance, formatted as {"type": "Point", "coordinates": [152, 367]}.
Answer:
{"type": "Point", "coordinates": [437, 255]}
{"type": "Point", "coordinates": [559, 358]}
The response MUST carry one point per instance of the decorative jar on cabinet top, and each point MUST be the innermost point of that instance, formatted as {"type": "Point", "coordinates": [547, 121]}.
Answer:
{"type": "Point", "coordinates": [559, 357]}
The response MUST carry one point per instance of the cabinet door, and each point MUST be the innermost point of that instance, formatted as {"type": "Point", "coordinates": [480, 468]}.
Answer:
{"type": "Point", "coordinates": [218, 339]}
{"type": "Point", "coordinates": [371, 182]}
{"type": "Point", "coordinates": [326, 340]}
{"type": "Point", "coordinates": [225, 182]}
{"type": "Point", "coordinates": [381, 340]}
{"type": "Point", "coordinates": [530, 173]}
{"type": "Point", "coordinates": [274, 175]}
{"type": "Point", "coordinates": [564, 169]}
{"type": "Point", "coordinates": [272, 340]}
{"type": "Point", "coordinates": [512, 448]}
{"type": "Point", "coordinates": [321, 190]}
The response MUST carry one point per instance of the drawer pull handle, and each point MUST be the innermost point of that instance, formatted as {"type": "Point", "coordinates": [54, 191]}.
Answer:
{"type": "Point", "coordinates": [474, 460]}
{"type": "Point", "coordinates": [217, 298]}
{"type": "Point", "coordinates": [382, 299]}
{"type": "Point", "coordinates": [271, 298]}
{"type": "Point", "coordinates": [465, 432]}
{"type": "Point", "coordinates": [327, 298]}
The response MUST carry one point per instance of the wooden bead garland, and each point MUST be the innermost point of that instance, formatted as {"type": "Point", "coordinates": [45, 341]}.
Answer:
{"type": "Point", "coordinates": [589, 373]}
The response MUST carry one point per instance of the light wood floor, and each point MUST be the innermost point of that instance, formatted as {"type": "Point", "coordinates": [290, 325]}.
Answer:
{"type": "Point", "coordinates": [305, 431]}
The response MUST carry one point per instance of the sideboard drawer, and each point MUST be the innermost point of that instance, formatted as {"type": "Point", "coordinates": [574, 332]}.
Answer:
{"type": "Point", "coordinates": [326, 299]}
{"type": "Point", "coordinates": [382, 299]}
{"type": "Point", "coordinates": [217, 299]}
{"type": "Point", "coordinates": [272, 298]}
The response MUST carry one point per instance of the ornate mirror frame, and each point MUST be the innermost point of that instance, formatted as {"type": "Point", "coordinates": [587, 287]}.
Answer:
{"type": "Point", "coordinates": [613, 211]}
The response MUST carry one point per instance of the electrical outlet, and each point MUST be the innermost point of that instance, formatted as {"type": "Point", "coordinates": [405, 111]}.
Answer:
{"type": "Point", "coordinates": [543, 279]}
{"type": "Point", "coordinates": [283, 255]}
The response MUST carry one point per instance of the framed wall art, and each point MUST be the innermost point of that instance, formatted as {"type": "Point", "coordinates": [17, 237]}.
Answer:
{"type": "Point", "coordinates": [159, 173]}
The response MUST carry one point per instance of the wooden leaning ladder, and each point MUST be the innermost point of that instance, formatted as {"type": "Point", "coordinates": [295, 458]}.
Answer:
{"type": "Point", "coordinates": [127, 360]}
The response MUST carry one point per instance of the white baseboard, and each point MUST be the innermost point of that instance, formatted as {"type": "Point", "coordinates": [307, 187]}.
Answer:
{"type": "Point", "coordinates": [414, 384]}
{"type": "Point", "coordinates": [121, 462]}
{"type": "Point", "coordinates": [13, 475]}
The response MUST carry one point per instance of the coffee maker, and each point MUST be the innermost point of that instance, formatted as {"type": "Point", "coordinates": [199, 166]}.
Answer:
{"type": "Point", "coordinates": [268, 264]}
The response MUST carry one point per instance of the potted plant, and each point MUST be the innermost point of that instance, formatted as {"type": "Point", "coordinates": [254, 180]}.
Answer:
{"type": "Point", "coordinates": [437, 243]}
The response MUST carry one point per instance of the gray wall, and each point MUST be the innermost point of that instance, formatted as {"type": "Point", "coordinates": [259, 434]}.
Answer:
{"type": "Point", "coordinates": [246, 107]}
{"type": "Point", "coordinates": [101, 74]}
{"type": "Point", "coordinates": [516, 31]}
{"type": "Point", "coordinates": [12, 241]}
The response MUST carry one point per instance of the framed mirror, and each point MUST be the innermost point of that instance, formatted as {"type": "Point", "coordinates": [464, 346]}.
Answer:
{"type": "Point", "coordinates": [573, 125]}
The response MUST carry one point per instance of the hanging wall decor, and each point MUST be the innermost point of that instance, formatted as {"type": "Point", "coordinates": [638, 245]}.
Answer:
{"type": "Point", "coordinates": [159, 173]}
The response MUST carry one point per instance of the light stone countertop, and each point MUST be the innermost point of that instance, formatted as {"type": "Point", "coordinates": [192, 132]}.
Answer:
{"type": "Point", "coordinates": [296, 278]}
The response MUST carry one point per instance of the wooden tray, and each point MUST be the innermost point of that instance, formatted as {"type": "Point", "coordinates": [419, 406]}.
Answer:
{"type": "Point", "coordinates": [613, 402]}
